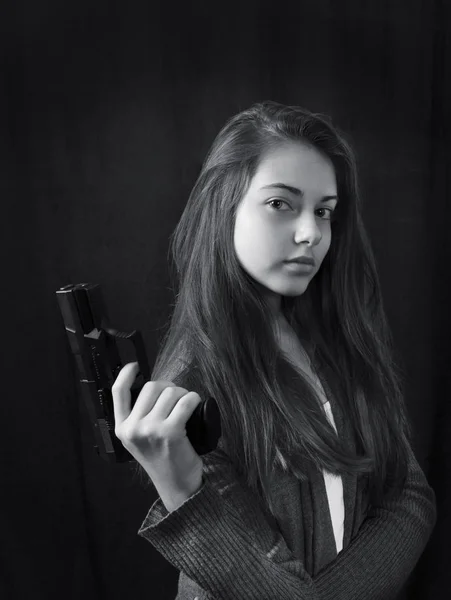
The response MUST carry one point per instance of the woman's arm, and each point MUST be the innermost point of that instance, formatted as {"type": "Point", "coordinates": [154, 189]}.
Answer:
{"type": "Point", "coordinates": [387, 547]}
{"type": "Point", "coordinates": [221, 538]}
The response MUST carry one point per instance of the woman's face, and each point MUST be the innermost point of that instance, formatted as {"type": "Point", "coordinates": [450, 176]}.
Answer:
{"type": "Point", "coordinates": [276, 223]}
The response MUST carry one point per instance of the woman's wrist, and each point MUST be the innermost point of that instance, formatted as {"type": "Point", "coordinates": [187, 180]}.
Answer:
{"type": "Point", "coordinates": [174, 500]}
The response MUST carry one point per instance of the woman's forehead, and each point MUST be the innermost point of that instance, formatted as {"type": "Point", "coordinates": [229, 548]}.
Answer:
{"type": "Point", "coordinates": [298, 165]}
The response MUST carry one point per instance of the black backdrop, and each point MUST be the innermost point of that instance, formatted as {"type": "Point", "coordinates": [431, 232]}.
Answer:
{"type": "Point", "coordinates": [106, 112]}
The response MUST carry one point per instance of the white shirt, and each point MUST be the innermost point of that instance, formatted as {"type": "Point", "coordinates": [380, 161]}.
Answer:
{"type": "Point", "coordinates": [334, 489]}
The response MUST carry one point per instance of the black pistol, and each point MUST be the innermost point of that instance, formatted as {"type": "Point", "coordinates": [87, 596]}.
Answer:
{"type": "Point", "coordinates": [98, 362]}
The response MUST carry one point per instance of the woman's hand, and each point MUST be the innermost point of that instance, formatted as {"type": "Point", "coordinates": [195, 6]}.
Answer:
{"type": "Point", "coordinates": [154, 432]}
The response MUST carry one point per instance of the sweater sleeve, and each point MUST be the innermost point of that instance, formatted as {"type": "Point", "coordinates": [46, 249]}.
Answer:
{"type": "Point", "coordinates": [222, 539]}
{"type": "Point", "coordinates": [386, 549]}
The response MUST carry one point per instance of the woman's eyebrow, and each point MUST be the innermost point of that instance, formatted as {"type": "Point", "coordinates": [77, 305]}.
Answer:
{"type": "Point", "coordinates": [296, 191]}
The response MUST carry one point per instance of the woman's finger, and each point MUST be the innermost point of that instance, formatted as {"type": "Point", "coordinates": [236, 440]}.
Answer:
{"type": "Point", "coordinates": [148, 397]}
{"type": "Point", "coordinates": [168, 398]}
{"type": "Point", "coordinates": [184, 408]}
{"type": "Point", "coordinates": [120, 391]}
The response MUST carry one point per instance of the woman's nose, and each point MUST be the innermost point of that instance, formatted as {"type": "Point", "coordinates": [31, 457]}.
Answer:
{"type": "Point", "coordinates": [307, 229]}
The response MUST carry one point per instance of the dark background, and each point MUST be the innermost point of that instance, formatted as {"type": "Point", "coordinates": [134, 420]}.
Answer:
{"type": "Point", "coordinates": [106, 112]}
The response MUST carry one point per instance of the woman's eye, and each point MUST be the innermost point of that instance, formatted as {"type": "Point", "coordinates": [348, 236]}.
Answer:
{"type": "Point", "coordinates": [329, 211]}
{"type": "Point", "coordinates": [278, 200]}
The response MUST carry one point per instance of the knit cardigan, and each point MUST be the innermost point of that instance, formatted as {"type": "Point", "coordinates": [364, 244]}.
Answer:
{"type": "Point", "coordinates": [227, 546]}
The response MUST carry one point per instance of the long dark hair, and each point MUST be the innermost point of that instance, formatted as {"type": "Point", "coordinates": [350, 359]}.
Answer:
{"type": "Point", "coordinates": [220, 341]}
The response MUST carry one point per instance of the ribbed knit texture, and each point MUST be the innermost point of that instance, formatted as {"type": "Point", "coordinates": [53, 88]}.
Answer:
{"type": "Point", "coordinates": [228, 547]}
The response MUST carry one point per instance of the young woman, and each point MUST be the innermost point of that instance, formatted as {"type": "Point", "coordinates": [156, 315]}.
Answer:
{"type": "Point", "coordinates": [313, 492]}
